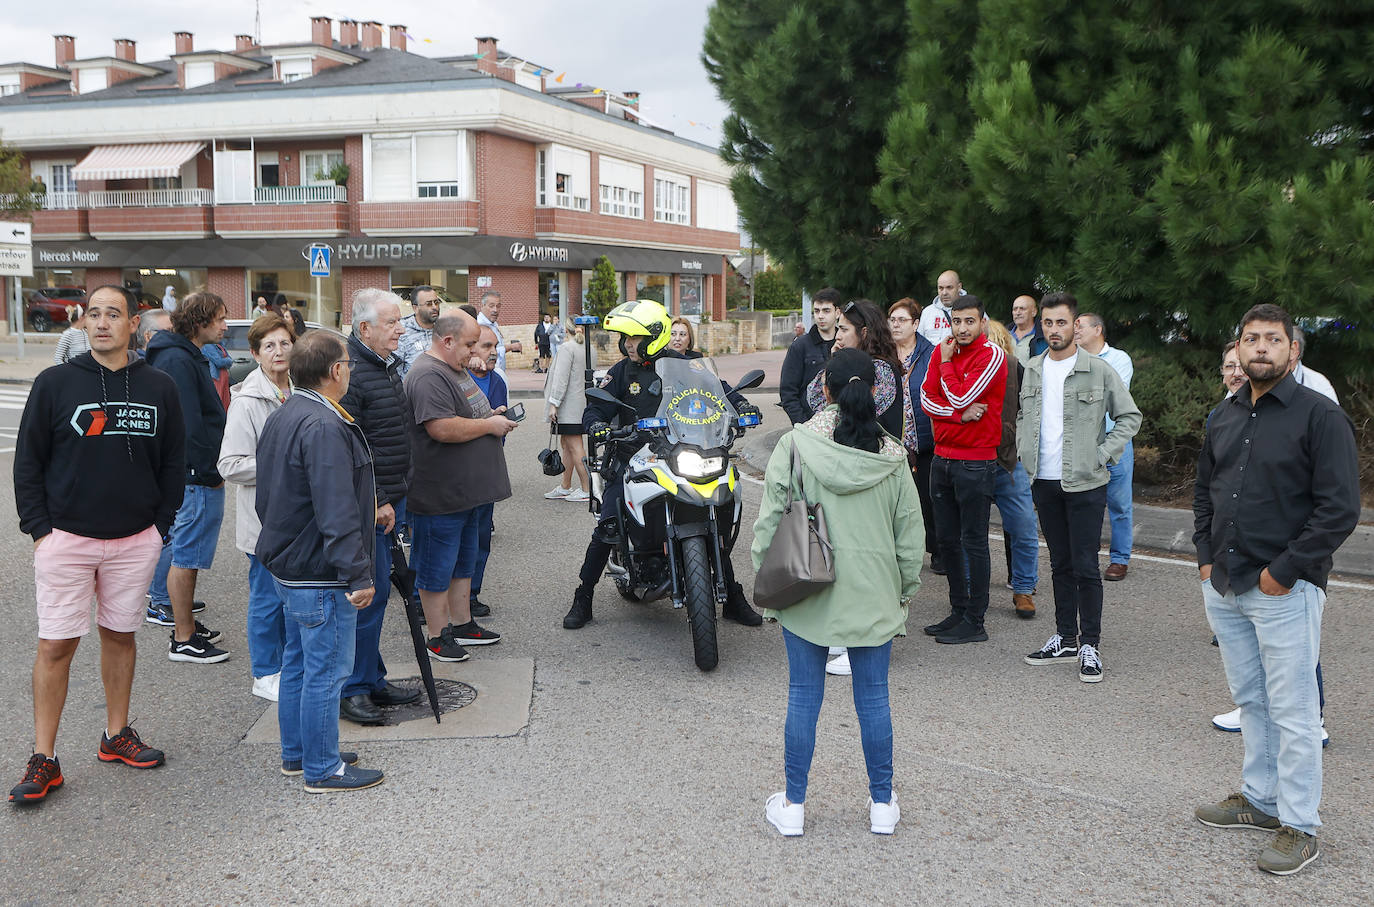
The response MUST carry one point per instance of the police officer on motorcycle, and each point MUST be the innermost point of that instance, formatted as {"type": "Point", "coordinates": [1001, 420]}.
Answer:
{"type": "Point", "coordinates": [644, 328]}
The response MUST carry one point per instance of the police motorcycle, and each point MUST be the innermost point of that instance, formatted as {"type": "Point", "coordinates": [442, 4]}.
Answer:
{"type": "Point", "coordinates": [680, 514]}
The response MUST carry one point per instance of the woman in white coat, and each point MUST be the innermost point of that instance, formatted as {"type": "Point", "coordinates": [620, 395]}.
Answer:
{"type": "Point", "coordinates": [566, 395]}
{"type": "Point", "coordinates": [270, 338]}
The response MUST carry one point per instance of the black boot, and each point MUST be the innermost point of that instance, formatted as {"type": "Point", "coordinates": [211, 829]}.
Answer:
{"type": "Point", "coordinates": [580, 614]}
{"type": "Point", "coordinates": [737, 608]}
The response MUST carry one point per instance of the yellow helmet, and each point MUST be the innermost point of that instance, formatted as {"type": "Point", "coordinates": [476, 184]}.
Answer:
{"type": "Point", "coordinates": [642, 318]}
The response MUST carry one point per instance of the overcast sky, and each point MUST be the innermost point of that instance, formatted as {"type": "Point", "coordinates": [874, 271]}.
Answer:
{"type": "Point", "coordinates": [622, 45]}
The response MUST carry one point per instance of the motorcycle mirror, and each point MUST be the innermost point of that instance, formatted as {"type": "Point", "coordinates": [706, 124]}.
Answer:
{"type": "Point", "coordinates": [752, 378]}
{"type": "Point", "coordinates": [599, 393]}
{"type": "Point", "coordinates": [656, 388]}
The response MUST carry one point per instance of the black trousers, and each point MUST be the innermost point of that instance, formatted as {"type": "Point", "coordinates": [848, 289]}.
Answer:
{"type": "Point", "coordinates": [920, 473]}
{"type": "Point", "coordinates": [961, 492]}
{"type": "Point", "coordinates": [1071, 522]}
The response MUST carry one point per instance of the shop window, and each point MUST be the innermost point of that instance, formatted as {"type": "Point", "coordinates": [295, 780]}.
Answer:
{"type": "Point", "coordinates": [451, 283]}
{"type": "Point", "coordinates": [657, 287]}
{"type": "Point", "coordinates": [689, 297]}
{"type": "Point", "coordinates": [299, 290]}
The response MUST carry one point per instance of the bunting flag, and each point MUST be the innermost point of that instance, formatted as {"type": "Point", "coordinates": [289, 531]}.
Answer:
{"type": "Point", "coordinates": [559, 80]}
{"type": "Point", "coordinates": [596, 91]}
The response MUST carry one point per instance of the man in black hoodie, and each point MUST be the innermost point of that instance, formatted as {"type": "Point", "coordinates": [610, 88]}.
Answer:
{"type": "Point", "coordinates": [199, 319]}
{"type": "Point", "coordinates": [807, 355]}
{"type": "Point", "coordinates": [96, 482]}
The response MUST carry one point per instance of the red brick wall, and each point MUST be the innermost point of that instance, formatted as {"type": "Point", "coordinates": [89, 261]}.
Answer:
{"type": "Point", "coordinates": [99, 277]}
{"type": "Point", "coordinates": [505, 185]}
{"type": "Point", "coordinates": [29, 80]}
{"type": "Point", "coordinates": [61, 223]}
{"type": "Point", "coordinates": [596, 102]}
{"type": "Point", "coordinates": [231, 285]}
{"type": "Point", "coordinates": [324, 218]}
{"type": "Point", "coordinates": [355, 279]}
{"type": "Point", "coordinates": [573, 293]}
{"type": "Point", "coordinates": [426, 215]}
{"type": "Point", "coordinates": [353, 157]}
{"type": "Point", "coordinates": [145, 220]}
{"type": "Point", "coordinates": [519, 289]}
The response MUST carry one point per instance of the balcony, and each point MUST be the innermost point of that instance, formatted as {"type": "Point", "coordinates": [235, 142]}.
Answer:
{"type": "Point", "coordinates": [300, 195]}
{"type": "Point", "coordinates": [149, 198]}
{"type": "Point", "coordinates": [570, 202]}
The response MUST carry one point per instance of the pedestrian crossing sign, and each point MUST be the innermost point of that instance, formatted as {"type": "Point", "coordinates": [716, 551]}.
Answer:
{"type": "Point", "coordinates": [319, 260]}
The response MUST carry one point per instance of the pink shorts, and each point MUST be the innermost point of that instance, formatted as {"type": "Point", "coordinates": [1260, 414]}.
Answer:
{"type": "Point", "coordinates": [69, 570]}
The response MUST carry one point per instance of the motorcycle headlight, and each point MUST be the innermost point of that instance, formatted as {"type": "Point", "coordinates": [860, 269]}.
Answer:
{"type": "Point", "coordinates": [694, 465]}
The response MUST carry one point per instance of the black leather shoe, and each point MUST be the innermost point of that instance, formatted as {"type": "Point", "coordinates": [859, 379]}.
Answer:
{"type": "Point", "coordinates": [737, 608]}
{"type": "Point", "coordinates": [393, 695]}
{"type": "Point", "coordinates": [962, 632]}
{"type": "Point", "coordinates": [943, 626]}
{"type": "Point", "coordinates": [479, 608]}
{"type": "Point", "coordinates": [359, 709]}
{"type": "Point", "coordinates": [581, 611]}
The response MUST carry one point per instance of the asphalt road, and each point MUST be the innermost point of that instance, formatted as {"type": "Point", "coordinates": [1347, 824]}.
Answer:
{"type": "Point", "coordinates": [641, 780]}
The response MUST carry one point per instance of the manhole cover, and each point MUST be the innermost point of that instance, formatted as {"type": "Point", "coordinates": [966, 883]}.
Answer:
{"type": "Point", "coordinates": [453, 695]}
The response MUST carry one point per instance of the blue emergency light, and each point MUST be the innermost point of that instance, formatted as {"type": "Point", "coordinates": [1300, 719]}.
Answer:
{"type": "Point", "coordinates": [647, 424]}
{"type": "Point", "coordinates": [586, 319]}
{"type": "Point", "coordinates": [749, 421]}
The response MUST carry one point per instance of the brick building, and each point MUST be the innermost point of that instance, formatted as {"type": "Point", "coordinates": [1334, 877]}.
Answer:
{"type": "Point", "coordinates": [221, 169]}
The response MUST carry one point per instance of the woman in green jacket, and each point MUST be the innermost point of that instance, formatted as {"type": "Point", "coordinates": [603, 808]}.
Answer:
{"type": "Point", "coordinates": [860, 477]}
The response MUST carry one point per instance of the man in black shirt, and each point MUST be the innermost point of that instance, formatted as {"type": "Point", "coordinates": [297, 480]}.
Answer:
{"type": "Point", "coordinates": [1277, 493]}
{"type": "Point", "coordinates": [807, 355]}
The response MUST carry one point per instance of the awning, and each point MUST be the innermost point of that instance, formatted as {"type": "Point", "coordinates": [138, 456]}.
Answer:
{"type": "Point", "coordinates": [132, 162]}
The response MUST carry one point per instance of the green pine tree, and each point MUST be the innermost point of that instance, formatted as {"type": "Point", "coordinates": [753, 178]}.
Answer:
{"type": "Point", "coordinates": [602, 292]}
{"type": "Point", "coordinates": [809, 84]}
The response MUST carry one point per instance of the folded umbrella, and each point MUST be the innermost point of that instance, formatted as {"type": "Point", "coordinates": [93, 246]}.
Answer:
{"type": "Point", "coordinates": [403, 578]}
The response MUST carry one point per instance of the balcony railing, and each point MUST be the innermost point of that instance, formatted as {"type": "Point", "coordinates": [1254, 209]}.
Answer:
{"type": "Point", "coordinates": [299, 195]}
{"type": "Point", "coordinates": [150, 198]}
{"type": "Point", "coordinates": [575, 202]}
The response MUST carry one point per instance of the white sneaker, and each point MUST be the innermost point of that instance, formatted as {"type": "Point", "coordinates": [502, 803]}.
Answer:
{"type": "Point", "coordinates": [578, 496]}
{"type": "Point", "coordinates": [839, 666]}
{"type": "Point", "coordinates": [838, 650]}
{"type": "Point", "coordinates": [787, 818]}
{"type": "Point", "coordinates": [558, 493]}
{"type": "Point", "coordinates": [267, 687]}
{"type": "Point", "coordinates": [1228, 721]}
{"type": "Point", "coordinates": [883, 817]}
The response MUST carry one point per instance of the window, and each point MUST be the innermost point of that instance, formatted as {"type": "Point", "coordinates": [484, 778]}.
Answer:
{"type": "Point", "coordinates": [9, 85]}
{"type": "Point", "coordinates": [689, 297]}
{"type": "Point", "coordinates": [658, 287]}
{"type": "Point", "coordinates": [427, 165]}
{"type": "Point", "coordinates": [672, 198]}
{"type": "Point", "coordinates": [89, 80]}
{"type": "Point", "coordinates": [202, 72]}
{"type": "Point", "coordinates": [293, 69]}
{"type": "Point", "coordinates": [316, 167]}
{"type": "Point", "coordinates": [621, 188]}
{"type": "Point", "coordinates": [563, 177]}
{"type": "Point", "coordinates": [716, 207]}
{"type": "Point", "coordinates": [60, 178]}
{"type": "Point", "coordinates": [164, 182]}
{"type": "Point", "coordinates": [269, 169]}
{"type": "Point", "coordinates": [233, 176]}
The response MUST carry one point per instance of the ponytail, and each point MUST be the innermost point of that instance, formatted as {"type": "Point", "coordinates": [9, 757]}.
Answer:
{"type": "Point", "coordinates": [849, 377]}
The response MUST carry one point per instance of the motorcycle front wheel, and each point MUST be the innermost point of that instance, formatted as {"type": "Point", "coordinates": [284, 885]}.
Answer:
{"type": "Point", "coordinates": [701, 604]}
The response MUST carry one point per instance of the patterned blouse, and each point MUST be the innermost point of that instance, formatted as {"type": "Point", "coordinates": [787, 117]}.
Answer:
{"type": "Point", "coordinates": [824, 422]}
{"type": "Point", "coordinates": [909, 439]}
{"type": "Point", "coordinates": [884, 390]}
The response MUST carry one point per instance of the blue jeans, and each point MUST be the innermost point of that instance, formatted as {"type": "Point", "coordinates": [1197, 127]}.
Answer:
{"type": "Point", "coordinates": [806, 688]}
{"type": "Point", "coordinates": [369, 671]}
{"type": "Point", "coordinates": [486, 522]}
{"type": "Point", "coordinates": [1013, 496]}
{"type": "Point", "coordinates": [1270, 645]}
{"type": "Point", "coordinates": [192, 539]}
{"type": "Point", "coordinates": [266, 620]}
{"type": "Point", "coordinates": [961, 493]}
{"type": "Point", "coordinates": [1119, 504]}
{"type": "Point", "coordinates": [320, 624]}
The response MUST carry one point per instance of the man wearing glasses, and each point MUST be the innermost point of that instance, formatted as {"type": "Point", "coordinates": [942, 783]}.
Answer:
{"type": "Point", "coordinates": [317, 500]}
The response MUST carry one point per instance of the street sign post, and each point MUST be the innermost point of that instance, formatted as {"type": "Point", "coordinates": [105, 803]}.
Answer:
{"type": "Point", "coordinates": [16, 261]}
{"type": "Point", "coordinates": [320, 258]}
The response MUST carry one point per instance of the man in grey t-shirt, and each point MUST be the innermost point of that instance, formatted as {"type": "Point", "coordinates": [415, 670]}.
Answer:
{"type": "Point", "coordinates": [459, 465]}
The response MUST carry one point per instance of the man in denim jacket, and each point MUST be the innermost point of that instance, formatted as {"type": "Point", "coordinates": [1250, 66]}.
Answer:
{"type": "Point", "coordinates": [1062, 441]}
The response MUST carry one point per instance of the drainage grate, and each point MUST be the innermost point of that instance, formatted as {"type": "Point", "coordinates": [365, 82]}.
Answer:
{"type": "Point", "coordinates": [453, 695]}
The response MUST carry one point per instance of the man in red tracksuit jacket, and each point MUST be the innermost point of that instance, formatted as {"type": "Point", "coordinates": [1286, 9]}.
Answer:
{"type": "Point", "coordinates": [962, 393]}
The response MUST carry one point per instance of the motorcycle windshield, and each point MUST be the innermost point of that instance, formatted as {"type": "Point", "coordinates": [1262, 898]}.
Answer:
{"type": "Point", "coordinates": [694, 404]}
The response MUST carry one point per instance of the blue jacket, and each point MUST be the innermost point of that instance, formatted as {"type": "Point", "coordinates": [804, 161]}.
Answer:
{"type": "Point", "coordinates": [317, 498]}
{"type": "Point", "coordinates": [201, 408]}
{"type": "Point", "coordinates": [925, 432]}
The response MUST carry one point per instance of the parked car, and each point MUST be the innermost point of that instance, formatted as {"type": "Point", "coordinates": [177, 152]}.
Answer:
{"type": "Point", "coordinates": [48, 306]}
{"type": "Point", "coordinates": [236, 342]}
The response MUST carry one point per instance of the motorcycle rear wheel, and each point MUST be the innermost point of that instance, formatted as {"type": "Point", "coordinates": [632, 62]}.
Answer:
{"type": "Point", "coordinates": [701, 604]}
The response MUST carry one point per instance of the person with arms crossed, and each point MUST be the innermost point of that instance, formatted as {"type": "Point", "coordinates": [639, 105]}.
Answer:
{"type": "Point", "coordinates": [1277, 493]}
{"type": "Point", "coordinates": [97, 483]}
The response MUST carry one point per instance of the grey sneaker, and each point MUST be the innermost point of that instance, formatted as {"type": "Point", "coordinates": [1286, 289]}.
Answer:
{"type": "Point", "coordinates": [1235, 812]}
{"type": "Point", "coordinates": [1290, 851]}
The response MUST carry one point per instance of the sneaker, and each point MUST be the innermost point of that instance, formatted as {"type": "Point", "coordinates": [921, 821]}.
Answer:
{"type": "Point", "coordinates": [267, 687]}
{"type": "Point", "coordinates": [1326, 738]}
{"type": "Point", "coordinates": [160, 615]}
{"type": "Point", "coordinates": [127, 748]}
{"type": "Point", "coordinates": [944, 626]}
{"type": "Point", "coordinates": [291, 767]}
{"type": "Point", "coordinates": [207, 634]}
{"type": "Point", "coordinates": [443, 648]}
{"type": "Point", "coordinates": [837, 650]}
{"type": "Point", "coordinates": [479, 608]}
{"type": "Point", "coordinates": [558, 494]}
{"type": "Point", "coordinates": [1227, 721]}
{"type": "Point", "coordinates": [42, 776]}
{"type": "Point", "coordinates": [964, 631]}
{"type": "Point", "coordinates": [197, 649]}
{"type": "Point", "coordinates": [883, 817]}
{"type": "Point", "coordinates": [578, 496]}
{"type": "Point", "coordinates": [1235, 812]}
{"type": "Point", "coordinates": [197, 607]}
{"type": "Point", "coordinates": [1089, 664]}
{"type": "Point", "coordinates": [787, 818]}
{"type": "Point", "coordinates": [470, 634]}
{"type": "Point", "coordinates": [1056, 651]}
{"type": "Point", "coordinates": [353, 778]}
{"type": "Point", "coordinates": [839, 666]}
{"type": "Point", "coordinates": [1290, 851]}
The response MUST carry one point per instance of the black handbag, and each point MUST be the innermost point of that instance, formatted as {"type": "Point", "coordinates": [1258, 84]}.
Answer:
{"type": "Point", "coordinates": [550, 458]}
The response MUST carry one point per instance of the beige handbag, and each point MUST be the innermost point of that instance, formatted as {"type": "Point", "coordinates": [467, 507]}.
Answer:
{"type": "Point", "coordinates": [799, 560]}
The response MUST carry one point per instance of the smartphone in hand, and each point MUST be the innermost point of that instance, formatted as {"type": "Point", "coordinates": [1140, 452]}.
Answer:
{"type": "Point", "coordinates": [516, 413]}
